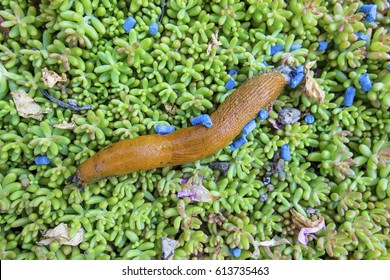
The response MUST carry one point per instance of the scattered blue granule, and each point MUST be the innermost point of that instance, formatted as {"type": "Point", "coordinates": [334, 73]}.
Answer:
{"type": "Point", "coordinates": [297, 76]}
{"type": "Point", "coordinates": [322, 46]}
{"type": "Point", "coordinates": [265, 63]}
{"type": "Point", "coordinates": [164, 129]}
{"type": "Point", "coordinates": [276, 48]}
{"type": "Point", "coordinates": [203, 120]}
{"type": "Point", "coordinates": [153, 28]}
{"type": "Point", "coordinates": [232, 72]}
{"type": "Point", "coordinates": [236, 252]}
{"type": "Point", "coordinates": [262, 115]}
{"type": "Point", "coordinates": [129, 24]}
{"type": "Point", "coordinates": [285, 152]}
{"type": "Point", "coordinates": [388, 67]}
{"type": "Point", "coordinates": [362, 36]}
{"type": "Point", "coordinates": [309, 119]}
{"type": "Point", "coordinates": [365, 82]}
{"type": "Point", "coordinates": [249, 127]}
{"type": "Point", "coordinates": [296, 80]}
{"type": "Point", "coordinates": [296, 47]}
{"type": "Point", "coordinates": [231, 83]}
{"type": "Point", "coordinates": [238, 143]}
{"type": "Point", "coordinates": [370, 11]}
{"type": "Point", "coordinates": [42, 160]}
{"type": "Point", "coordinates": [300, 69]}
{"type": "Point", "coordinates": [349, 96]}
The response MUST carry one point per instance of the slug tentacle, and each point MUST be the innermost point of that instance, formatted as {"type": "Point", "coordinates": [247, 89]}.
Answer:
{"type": "Point", "coordinates": [187, 144]}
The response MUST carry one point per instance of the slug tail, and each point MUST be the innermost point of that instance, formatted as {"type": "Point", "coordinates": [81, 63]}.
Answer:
{"type": "Point", "coordinates": [124, 157]}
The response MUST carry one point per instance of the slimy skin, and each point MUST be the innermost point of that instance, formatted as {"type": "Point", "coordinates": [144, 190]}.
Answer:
{"type": "Point", "coordinates": [186, 144]}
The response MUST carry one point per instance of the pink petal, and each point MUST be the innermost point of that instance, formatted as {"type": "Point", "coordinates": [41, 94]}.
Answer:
{"type": "Point", "coordinates": [185, 193]}
{"type": "Point", "coordinates": [305, 232]}
{"type": "Point", "coordinates": [195, 190]}
{"type": "Point", "coordinates": [183, 180]}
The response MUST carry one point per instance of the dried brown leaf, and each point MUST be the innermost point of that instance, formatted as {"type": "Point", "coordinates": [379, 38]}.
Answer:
{"type": "Point", "coordinates": [213, 43]}
{"type": "Point", "coordinates": [26, 106]}
{"type": "Point", "coordinates": [275, 241]}
{"type": "Point", "coordinates": [65, 125]}
{"type": "Point", "coordinates": [193, 188]}
{"type": "Point", "coordinates": [306, 226]}
{"type": "Point", "coordinates": [50, 78]}
{"type": "Point", "coordinates": [312, 88]}
{"type": "Point", "coordinates": [301, 221]}
{"type": "Point", "coordinates": [61, 234]}
{"type": "Point", "coordinates": [170, 108]}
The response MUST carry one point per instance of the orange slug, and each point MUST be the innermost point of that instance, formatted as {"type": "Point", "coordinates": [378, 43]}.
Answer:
{"type": "Point", "coordinates": [186, 144]}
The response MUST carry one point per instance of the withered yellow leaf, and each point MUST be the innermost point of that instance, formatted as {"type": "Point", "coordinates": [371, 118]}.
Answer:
{"type": "Point", "coordinates": [26, 106]}
{"type": "Point", "coordinates": [61, 233]}
{"type": "Point", "coordinates": [50, 78]}
{"type": "Point", "coordinates": [312, 88]}
{"type": "Point", "coordinates": [301, 221]}
{"type": "Point", "coordinates": [65, 125]}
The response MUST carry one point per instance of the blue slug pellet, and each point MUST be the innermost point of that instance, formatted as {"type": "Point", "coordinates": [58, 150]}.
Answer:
{"type": "Point", "coordinates": [265, 63]}
{"type": "Point", "coordinates": [153, 28]}
{"type": "Point", "coordinates": [262, 115]}
{"type": "Point", "coordinates": [365, 82]}
{"type": "Point", "coordinates": [238, 143]}
{"type": "Point", "coordinates": [276, 48]}
{"type": "Point", "coordinates": [296, 47]}
{"type": "Point", "coordinates": [370, 11]}
{"type": "Point", "coordinates": [249, 127]}
{"type": "Point", "coordinates": [297, 76]}
{"type": "Point", "coordinates": [42, 160]}
{"type": "Point", "coordinates": [232, 72]}
{"type": "Point", "coordinates": [322, 46]}
{"type": "Point", "coordinates": [285, 152]}
{"type": "Point", "coordinates": [230, 84]}
{"type": "Point", "coordinates": [296, 80]}
{"type": "Point", "coordinates": [362, 36]}
{"type": "Point", "coordinates": [129, 24]}
{"type": "Point", "coordinates": [300, 69]}
{"type": "Point", "coordinates": [309, 119]}
{"type": "Point", "coordinates": [236, 252]}
{"type": "Point", "coordinates": [349, 96]}
{"type": "Point", "coordinates": [164, 129]}
{"type": "Point", "coordinates": [203, 120]}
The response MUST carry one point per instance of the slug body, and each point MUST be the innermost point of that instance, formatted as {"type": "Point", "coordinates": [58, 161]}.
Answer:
{"type": "Point", "coordinates": [187, 144]}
